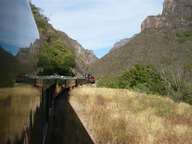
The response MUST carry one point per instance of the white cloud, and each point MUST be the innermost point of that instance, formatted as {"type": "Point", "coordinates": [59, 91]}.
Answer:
{"type": "Point", "coordinates": [97, 24]}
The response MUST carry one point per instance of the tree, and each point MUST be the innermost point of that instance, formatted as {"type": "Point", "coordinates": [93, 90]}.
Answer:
{"type": "Point", "coordinates": [144, 78]}
{"type": "Point", "coordinates": [54, 57]}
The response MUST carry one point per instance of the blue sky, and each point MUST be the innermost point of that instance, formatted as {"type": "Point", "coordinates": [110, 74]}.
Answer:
{"type": "Point", "coordinates": [98, 24]}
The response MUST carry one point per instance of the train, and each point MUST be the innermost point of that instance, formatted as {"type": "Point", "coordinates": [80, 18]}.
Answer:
{"type": "Point", "coordinates": [53, 88]}
{"type": "Point", "coordinates": [90, 78]}
{"type": "Point", "coordinates": [67, 81]}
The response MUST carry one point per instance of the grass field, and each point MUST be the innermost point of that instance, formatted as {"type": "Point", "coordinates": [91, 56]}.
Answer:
{"type": "Point", "coordinates": [15, 106]}
{"type": "Point", "coordinates": [114, 116]}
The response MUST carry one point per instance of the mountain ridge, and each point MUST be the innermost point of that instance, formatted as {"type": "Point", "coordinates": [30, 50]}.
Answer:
{"type": "Point", "coordinates": [165, 46]}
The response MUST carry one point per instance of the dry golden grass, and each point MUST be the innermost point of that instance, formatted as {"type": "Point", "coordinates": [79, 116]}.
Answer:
{"type": "Point", "coordinates": [114, 116]}
{"type": "Point", "coordinates": [15, 106]}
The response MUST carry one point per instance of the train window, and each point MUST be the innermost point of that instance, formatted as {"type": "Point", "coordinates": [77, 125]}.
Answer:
{"type": "Point", "coordinates": [17, 26]}
{"type": "Point", "coordinates": [18, 31]}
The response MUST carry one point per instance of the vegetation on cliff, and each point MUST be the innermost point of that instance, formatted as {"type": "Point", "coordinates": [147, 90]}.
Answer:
{"type": "Point", "coordinates": [54, 55]}
{"type": "Point", "coordinates": [56, 60]}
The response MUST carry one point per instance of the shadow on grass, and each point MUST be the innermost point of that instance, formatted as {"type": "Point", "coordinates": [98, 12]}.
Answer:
{"type": "Point", "coordinates": [66, 127]}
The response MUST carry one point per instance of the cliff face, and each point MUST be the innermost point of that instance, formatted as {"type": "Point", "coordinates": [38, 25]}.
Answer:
{"type": "Point", "coordinates": [87, 56]}
{"type": "Point", "coordinates": [84, 57]}
{"type": "Point", "coordinates": [154, 22]}
{"type": "Point", "coordinates": [178, 8]}
{"type": "Point", "coordinates": [176, 14]}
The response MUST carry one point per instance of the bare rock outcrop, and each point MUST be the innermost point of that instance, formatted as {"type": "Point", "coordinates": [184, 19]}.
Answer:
{"type": "Point", "coordinates": [154, 22]}
{"type": "Point", "coordinates": [87, 56]}
{"type": "Point", "coordinates": [178, 8]}
{"type": "Point", "coordinates": [176, 13]}
{"type": "Point", "coordinates": [120, 44]}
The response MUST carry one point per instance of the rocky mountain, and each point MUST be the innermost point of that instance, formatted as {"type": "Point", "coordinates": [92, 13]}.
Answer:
{"type": "Point", "coordinates": [165, 41]}
{"type": "Point", "coordinates": [122, 43]}
{"type": "Point", "coordinates": [87, 56]}
{"type": "Point", "coordinates": [48, 35]}
{"type": "Point", "coordinates": [119, 44]}
{"type": "Point", "coordinates": [84, 57]}
{"type": "Point", "coordinates": [176, 14]}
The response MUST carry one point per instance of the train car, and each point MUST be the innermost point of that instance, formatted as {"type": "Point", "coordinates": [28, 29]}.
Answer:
{"type": "Point", "coordinates": [69, 83]}
{"type": "Point", "coordinates": [90, 78]}
{"type": "Point", "coordinates": [81, 81]}
{"type": "Point", "coordinates": [20, 78]}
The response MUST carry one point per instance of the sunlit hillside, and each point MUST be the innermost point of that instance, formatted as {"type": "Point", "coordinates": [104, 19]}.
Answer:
{"type": "Point", "coordinates": [116, 116]}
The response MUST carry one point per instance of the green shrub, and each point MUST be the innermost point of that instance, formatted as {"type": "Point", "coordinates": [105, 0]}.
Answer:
{"type": "Point", "coordinates": [144, 78]}
{"type": "Point", "coordinates": [184, 36]}
{"type": "Point", "coordinates": [54, 57]}
{"type": "Point", "coordinates": [187, 95]}
{"type": "Point", "coordinates": [40, 19]}
{"type": "Point", "coordinates": [140, 77]}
